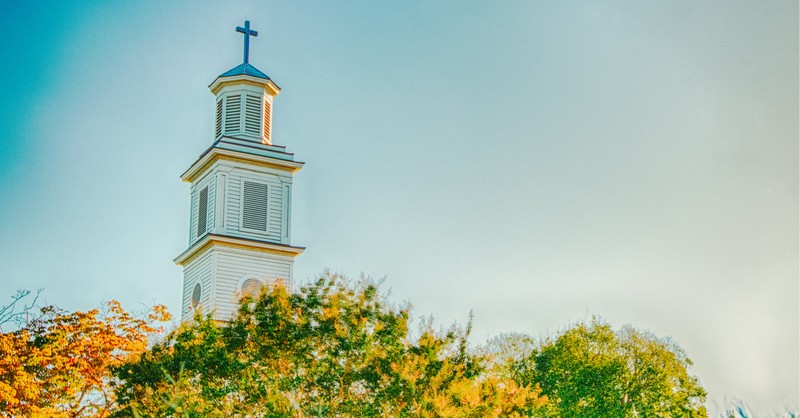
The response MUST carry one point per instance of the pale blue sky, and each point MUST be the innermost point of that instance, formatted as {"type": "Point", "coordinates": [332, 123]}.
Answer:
{"type": "Point", "coordinates": [537, 162]}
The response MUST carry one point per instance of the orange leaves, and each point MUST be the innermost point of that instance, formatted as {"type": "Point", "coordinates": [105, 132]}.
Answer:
{"type": "Point", "coordinates": [159, 313]}
{"type": "Point", "coordinates": [62, 362]}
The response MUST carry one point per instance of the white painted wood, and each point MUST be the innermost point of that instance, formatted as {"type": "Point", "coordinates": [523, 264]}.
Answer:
{"type": "Point", "coordinates": [205, 181]}
{"type": "Point", "coordinates": [233, 208]}
{"type": "Point", "coordinates": [219, 212]}
{"type": "Point", "coordinates": [220, 263]}
{"type": "Point", "coordinates": [254, 198]}
{"type": "Point", "coordinates": [236, 265]}
{"type": "Point", "coordinates": [287, 213]}
{"type": "Point", "coordinates": [267, 118]}
{"type": "Point", "coordinates": [218, 118]}
{"type": "Point", "coordinates": [221, 271]}
{"type": "Point", "coordinates": [243, 112]}
{"type": "Point", "coordinates": [199, 270]}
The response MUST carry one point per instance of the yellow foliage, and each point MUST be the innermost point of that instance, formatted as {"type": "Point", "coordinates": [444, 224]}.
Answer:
{"type": "Point", "coordinates": [60, 364]}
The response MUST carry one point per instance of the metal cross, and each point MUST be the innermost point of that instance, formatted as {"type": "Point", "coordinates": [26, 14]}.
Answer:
{"type": "Point", "coordinates": [247, 34]}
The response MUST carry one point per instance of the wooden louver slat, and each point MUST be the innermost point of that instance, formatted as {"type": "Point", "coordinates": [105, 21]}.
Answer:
{"type": "Point", "coordinates": [218, 125]}
{"type": "Point", "coordinates": [267, 121]}
{"type": "Point", "coordinates": [254, 206]}
{"type": "Point", "coordinates": [202, 212]}
{"type": "Point", "coordinates": [233, 108]}
{"type": "Point", "coordinates": [252, 114]}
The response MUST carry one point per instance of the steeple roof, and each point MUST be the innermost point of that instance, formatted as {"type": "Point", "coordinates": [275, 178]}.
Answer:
{"type": "Point", "coordinates": [245, 69]}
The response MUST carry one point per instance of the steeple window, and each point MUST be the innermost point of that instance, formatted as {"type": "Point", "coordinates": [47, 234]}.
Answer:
{"type": "Point", "coordinates": [254, 206]}
{"type": "Point", "coordinates": [218, 119]}
{"type": "Point", "coordinates": [233, 109]}
{"type": "Point", "coordinates": [252, 114]}
{"type": "Point", "coordinates": [202, 211]}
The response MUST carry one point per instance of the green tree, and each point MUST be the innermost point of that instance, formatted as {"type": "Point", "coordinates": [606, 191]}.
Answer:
{"type": "Point", "coordinates": [591, 371]}
{"type": "Point", "coordinates": [330, 349]}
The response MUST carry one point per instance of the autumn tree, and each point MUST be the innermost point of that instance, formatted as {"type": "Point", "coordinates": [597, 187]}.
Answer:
{"type": "Point", "coordinates": [590, 370]}
{"type": "Point", "coordinates": [17, 312]}
{"type": "Point", "coordinates": [59, 363]}
{"type": "Point", "coordinates": [333, 348]}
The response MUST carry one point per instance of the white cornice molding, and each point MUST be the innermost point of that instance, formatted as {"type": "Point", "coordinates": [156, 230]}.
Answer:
{"type": "Point", "coordinates": [215, 154]}
{"type": "Point", "coordinates": [267, 84]}
{"type": "Point", "coordinates": [211, 240]}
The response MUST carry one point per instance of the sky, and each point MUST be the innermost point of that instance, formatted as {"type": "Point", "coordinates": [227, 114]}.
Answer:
{"type": "Point", "coordinates": [535, 162]}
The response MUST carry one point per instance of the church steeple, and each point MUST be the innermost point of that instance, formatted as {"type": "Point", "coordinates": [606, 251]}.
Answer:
{"type": "Point", "coordinates": [241, 191]}
{"type": "Point", "coordinates": [244, 99]}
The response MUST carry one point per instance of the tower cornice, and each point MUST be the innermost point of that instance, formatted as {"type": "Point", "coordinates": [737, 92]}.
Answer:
{"type": "Point", "coordinates": [267, 84]}
{"type": "Point", "coordinates": [211, 240]}
{"type": "Point", "coordinates": [215, 154]}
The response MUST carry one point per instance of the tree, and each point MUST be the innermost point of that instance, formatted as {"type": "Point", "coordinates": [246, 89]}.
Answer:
{"type": "Point", "coordinates": [591, 371]}
{"type": "Point", "coordinates": [15, 315]}
{"type": "Point", "coordinates": [505, 351]}
{"type": "Point", "coordinates": [334, 348]}
{"type": "Point", "coordinates": [330, 349]}
{"type": "Point", "coordinates": [59, 364]}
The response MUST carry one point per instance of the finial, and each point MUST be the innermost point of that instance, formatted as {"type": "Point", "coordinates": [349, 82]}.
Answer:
{"type": "Point", "coordinates": [247, 34]}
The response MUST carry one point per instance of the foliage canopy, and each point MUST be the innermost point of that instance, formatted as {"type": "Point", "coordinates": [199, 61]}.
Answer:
{"type": "Point", "coordinates": [333, 348]}
{"type": "Point", "coordinates": [59, 364]}
{"type": "Point", "coordinates": [330, 349]}
{"type": "Point", "coordinates": [591, 371]}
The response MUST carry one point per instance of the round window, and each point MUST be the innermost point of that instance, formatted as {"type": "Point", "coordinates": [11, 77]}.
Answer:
{"type": "Point", "coordinates": [251, 287]}
{"type": "Point", "coordinates": [196, 293]}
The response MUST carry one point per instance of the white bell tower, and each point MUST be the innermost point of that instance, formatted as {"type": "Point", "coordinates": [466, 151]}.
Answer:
{"type": "Point", "coordinates": [241, 190]}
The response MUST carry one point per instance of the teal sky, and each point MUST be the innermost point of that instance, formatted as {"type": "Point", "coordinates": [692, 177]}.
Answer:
{"type": "Point", "coordinates": [536, 162]}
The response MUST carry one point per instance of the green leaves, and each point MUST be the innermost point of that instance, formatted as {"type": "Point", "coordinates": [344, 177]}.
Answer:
{"type": "Point", "coordinates": [334, 348]}
{"type": "Point", "coordinates": [591, 371]}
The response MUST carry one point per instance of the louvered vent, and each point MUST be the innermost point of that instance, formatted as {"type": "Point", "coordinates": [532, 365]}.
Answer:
{"type": "Point", "coordinates": [254, 206]}
{"type": "Point", "coordinates": [233, 108]}
{"type": "Point", "coordinates": [252, 114]}
{"type": "Point", "coordinates": [218, 125]}
{"type": "Point", "coordinates": [202, 212]}
{"type": "Point", "coordinates": [267, 121]}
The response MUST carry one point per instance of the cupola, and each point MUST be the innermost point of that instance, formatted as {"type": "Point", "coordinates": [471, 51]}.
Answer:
{"type": "Point", "coordinates": [244, 99]}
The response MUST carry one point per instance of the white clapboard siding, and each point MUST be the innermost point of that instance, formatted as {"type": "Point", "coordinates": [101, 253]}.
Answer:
{"type": "Point", "coordinates": [233, 265]}
{"type": "Point", "coordinates": [193, 216]}
{"type": "Point", "coordinates": [286, 209]}
{"type": "Point", "coordinates": [275, 207]}
{"type": "Point", "coordinates": [199, 270]}
{"type": "Point", "coordinates": [197, 188]}
{"type": "Point", "coordinates": [212, 199]}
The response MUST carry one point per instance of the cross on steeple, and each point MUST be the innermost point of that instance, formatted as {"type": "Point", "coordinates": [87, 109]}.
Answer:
{"type": "Point", "coordinates": [247, 34]}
